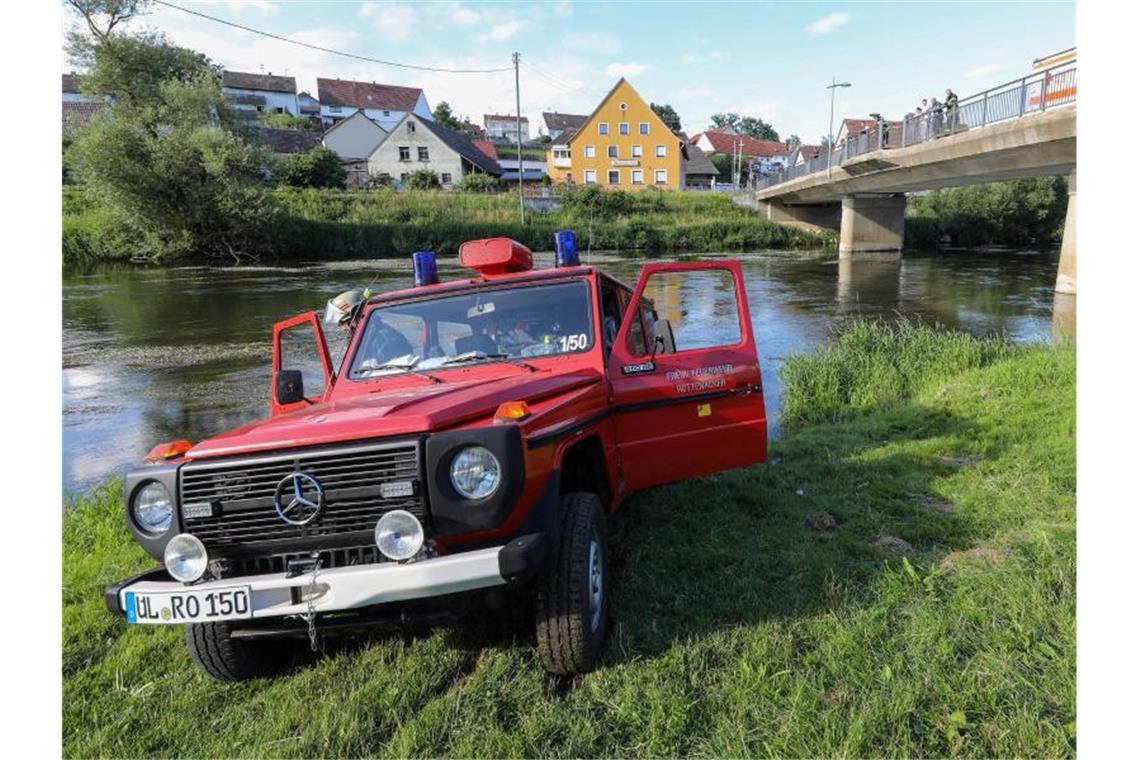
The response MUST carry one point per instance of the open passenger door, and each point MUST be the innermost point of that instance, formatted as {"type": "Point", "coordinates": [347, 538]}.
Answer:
{"type": "Point", "coordinates": [291, 365]}
{"type": "Point", "coordinates": [685, 376]}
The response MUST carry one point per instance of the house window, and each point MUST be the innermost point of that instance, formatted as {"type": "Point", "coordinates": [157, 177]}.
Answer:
{"type": "Point", "coordinates": [445, 178]}
{"type": "Point", "coordinates": [660, 177]}
{"type": "Point", "coordinates": [422, 153]}
{"type": "Point", "coordinates": [405, 153]}
{"type": "Point", "coordinates": [411, 127]}
{"type": "Point", "coordinates": [637, 177]}
{"type": "Point", "coordinates": [623, 128]}
{"type": "Point", "coordinates": [591, 177]}
{"type": "Point", "coordinates": [603, 127]}
{"type": "Point", "coordinates": [279, 110]}
{"type": "Point", "coordinates": [643, 128]}
{"type": "Point", "coordinates": [589, 151]}
{"type": "Point", "coordinates": [611, 151]}
{"type": "Point", "coordinates": [334, 109]}
{"type": "Point", "coordinates": [387, 113]}
{"type": "Point", "coordinates": [636, 151]}
{"type": "Point", "coordinates": [661, 151]}
{"type": "Point", "coordinates": [614, 177]}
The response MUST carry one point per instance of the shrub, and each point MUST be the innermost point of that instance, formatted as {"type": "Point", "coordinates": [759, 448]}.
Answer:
{"type": "Point", "coordinates": [423, 179]}
{"type": "Point", "coordinates": [319, 167]}
{"type": "Point", "coordinates": [477, 182]}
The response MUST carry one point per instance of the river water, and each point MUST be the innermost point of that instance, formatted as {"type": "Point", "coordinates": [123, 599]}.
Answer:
{"type": "Point", "coordinates": [151, 355]}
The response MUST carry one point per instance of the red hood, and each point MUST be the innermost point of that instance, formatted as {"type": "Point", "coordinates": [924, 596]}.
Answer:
{"type": "Point", "coordinates": [396, 412]}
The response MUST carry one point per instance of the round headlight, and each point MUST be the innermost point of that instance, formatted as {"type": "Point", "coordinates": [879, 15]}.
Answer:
{"type": "Point", "coordinates": [475, 473]}
{"type": "Point", "coordinates": [399, 535]}
{"type": "Point", "coordinates": [152, 508]}
{"type": "Point", "coordinates": [185, 558]}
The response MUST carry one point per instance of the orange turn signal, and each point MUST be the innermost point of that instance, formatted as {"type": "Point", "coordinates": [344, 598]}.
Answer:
{"type": "Point", "coordinates": [510, 411]}
{"type": "Point", "coordinates": [171, 450]}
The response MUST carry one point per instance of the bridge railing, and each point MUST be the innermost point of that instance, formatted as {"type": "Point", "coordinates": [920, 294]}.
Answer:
{"type": "Point", "coordinates": [1031, 94]}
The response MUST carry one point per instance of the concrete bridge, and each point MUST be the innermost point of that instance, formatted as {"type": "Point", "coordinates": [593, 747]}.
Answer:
{"type": "Point", "coordinates": [1027, 128]}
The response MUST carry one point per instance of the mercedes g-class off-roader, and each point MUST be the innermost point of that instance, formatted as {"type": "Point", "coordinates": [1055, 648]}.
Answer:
{"type": "Point", "coordinates": [473, 439]}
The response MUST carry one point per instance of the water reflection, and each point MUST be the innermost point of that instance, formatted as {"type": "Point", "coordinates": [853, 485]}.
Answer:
{"type": "Point", "coordinates": [156, 354]}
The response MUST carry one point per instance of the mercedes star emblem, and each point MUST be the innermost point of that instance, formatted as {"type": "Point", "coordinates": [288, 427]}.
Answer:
{"type": "Point", "coordinates": [299, 498]}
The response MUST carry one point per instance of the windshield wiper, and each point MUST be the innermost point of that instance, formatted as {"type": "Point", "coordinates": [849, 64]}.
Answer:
{"type": "Point", "coordinates": [405, 368]}
{"type": "Point", "coordinates": [475, 357]}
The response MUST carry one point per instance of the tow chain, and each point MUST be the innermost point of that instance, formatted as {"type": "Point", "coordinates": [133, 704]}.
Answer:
{"type": "Point", "coordinates": [310, 616]}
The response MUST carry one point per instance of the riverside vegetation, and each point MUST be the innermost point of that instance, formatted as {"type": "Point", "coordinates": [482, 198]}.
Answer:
{"type": "Point", "coordinates": [898, 579]}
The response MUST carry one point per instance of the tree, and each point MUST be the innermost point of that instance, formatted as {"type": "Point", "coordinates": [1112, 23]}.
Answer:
{"type": "Point", "coordinates": [477, 182]}
{"type": "Point", "coordinates": [668, 115]}
{"type": "Point", "coordinates": [289, 121]}
{"type": "Point", "coordinates": [753, 126]}
{"type": "Point", "coordinates": [793, 142]}
{"type": "Point", "coordinates": [101, 18]}
{"type": "Point", "coordinates": [319, 167]}
{"type": "Point", "coordinates": [824, 140]}
{"type": "Point", "coordinates": [445, 117]}
{"type": "Point", "coordinates": [169, 161]}
{"type": "Point", "coordinates": [423, 179]}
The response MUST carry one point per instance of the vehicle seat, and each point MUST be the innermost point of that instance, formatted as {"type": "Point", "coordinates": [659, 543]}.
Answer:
{"type": "Point", "coordinates": [479, 342]}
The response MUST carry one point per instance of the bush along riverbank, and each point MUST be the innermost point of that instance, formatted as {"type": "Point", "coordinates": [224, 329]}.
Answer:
{"type": "Point", "coordinates": [897, 579]}
{"type": "Point", "coordinates": [316, 224]}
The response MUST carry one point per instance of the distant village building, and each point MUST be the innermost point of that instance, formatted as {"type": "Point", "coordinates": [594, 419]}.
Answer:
{"type": "Point", "coordinates": [78, 108]}
{"type": "Point", "coordinates": [355, 137]}
{"type": "Point", "coordinates": [533, 170]}
{"type": "Point", "coordinates": [698, 170]}
{"type": "Point", "coordinates": [417, 143]}
{"type": "Point", "coordinates": [505, 127]}
{"type": "Point", "coordinates": [260, 93]}
{"type": "Point", "coordinates": [308, 105]}
{"type": "Point", "coordinates": [557, 123]}
{"type": "Point", "coordinates": [857, 126]}
{"type": "Point", "coordinates": [767, 155]}
{"type": "Point", "coordinates": [288, 141]}
{"type": "Point", "coordinates": [805, 153]}
{"type": "Point", "coordinates": [385, 104]}
{"type": "Point", "coordinates": [623, 145]}
{"type": "Point", "coordinates": [73, 94]}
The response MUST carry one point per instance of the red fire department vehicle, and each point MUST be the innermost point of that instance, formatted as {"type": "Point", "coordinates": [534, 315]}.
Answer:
{"type": "Point", "coordinates": [471, 442]}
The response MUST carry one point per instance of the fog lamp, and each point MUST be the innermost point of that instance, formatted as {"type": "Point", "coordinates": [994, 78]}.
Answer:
{"type": "Point", "coordinates": [399, 535]}
{"type": "Point", "coordinates": [185, 558]}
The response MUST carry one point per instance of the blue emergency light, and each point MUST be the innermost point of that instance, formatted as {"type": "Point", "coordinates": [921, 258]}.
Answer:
{"type": "Point", "coordinates": [424, 268]}
{"type": "Point", "coordinates": [565, 249]}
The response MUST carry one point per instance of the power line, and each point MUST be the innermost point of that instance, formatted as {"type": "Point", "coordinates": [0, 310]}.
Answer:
{"type": "Point", "coordinates": [329, 50]}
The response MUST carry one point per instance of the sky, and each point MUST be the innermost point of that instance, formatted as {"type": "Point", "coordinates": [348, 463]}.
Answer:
{"type": "Point", "coordinates": [771, 60]}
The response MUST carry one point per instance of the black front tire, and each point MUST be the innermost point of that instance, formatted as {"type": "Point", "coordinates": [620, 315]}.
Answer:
{"type": "Point", "coordinates": [225, 658]}
{"type": "Point", "coordinates": [573, 597]}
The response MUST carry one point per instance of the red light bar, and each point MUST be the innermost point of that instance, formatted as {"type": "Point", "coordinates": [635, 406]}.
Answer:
{"type": "Point", "coordinates": [493, 256]}
{"type": "Point", "coordinates": [169, 450]}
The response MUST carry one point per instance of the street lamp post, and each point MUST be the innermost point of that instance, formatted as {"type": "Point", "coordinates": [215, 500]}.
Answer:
{"type": "Point", "coordinates": [831, 122]}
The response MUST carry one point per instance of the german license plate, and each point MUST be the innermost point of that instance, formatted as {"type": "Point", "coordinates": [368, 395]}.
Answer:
{"type": "Point", "coordinates": [187, 606]}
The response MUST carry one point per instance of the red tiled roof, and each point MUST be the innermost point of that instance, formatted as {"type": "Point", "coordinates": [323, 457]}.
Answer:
{"type": "Point", "coordinates": [345, 92]}
{"type": "Point", "coordinates": [751, 147]}
{"type": "Point", "coordinates": [486, 148]}
{"type": "Point", "coordinates": [855, 126]}
{"type": "Point", "coordinates": [240, 80]}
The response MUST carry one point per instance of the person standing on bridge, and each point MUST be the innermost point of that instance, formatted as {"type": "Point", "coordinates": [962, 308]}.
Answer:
{"type": "Point", "coordinates": [935, 117]}
{"type": "Point", "coordinates": [951, 110]}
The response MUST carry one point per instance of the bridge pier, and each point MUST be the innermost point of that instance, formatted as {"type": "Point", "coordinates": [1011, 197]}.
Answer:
{"type": "Point", "coordinates": [872, 223]}
{"type": "Point", "coordinates": [1067, 266]}
{"type": "Point", "coordinates": [813, 216]}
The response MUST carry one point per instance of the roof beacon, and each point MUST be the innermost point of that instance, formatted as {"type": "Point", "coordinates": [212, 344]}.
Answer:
{"type": "Point", "coordinates": [495, 256]}
{"type": "Point", "coordinates": [565, 249]}
{"type": "Point", "coordinates": [424, 268]}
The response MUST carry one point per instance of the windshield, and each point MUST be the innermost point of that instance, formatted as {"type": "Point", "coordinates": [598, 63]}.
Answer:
{"type": "Point", "coordinates": [490, 325]}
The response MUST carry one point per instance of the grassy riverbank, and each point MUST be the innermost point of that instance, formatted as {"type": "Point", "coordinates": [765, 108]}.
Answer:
{"type": "Point", "coordinates": [315, 224]}
{"type": "Point", "coordinates": [898, 579]}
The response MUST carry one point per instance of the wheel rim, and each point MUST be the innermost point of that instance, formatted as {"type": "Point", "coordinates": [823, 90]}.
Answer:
{"type": "Point", "coordinates": [596, 583]}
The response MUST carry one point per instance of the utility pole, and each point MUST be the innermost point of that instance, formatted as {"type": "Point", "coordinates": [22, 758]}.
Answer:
{"type": "Point", "coordinates": [831, 122]}
{"type": "Point", "coordinates": [518, 135]}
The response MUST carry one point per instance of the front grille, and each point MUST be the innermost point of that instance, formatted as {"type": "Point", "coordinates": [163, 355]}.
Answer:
{"type": "Point", "coordinates": [244, 521]}
{"type": "Point", "coordinates": [279, 563]}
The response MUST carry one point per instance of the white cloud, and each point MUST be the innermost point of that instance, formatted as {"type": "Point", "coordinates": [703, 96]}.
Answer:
{"type": "Point", "coordinates": [828, 23]}
{"type": "Point", "coordinates": [237, 6]}
{"type": "Point", "coordinates": [591, 42]}
{"type": "Point", "coordinates": [696, 92]}
{"type": "Point", "coordinates": [505, 30]}
{"type": "Point", "coordinates": [395, 22]}
{"type": "Point", "coordinates": [464, 16]}
{"type": "Point", "coordinates": [714, 55]}
{"type": "Point", "coordinates": [984, 70]}
{"type": "Point", "coordinates": [630, 69]}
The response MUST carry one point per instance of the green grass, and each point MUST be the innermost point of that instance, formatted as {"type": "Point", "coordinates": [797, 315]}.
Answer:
{"type": "Point", "coordinates": [326, 224]}
{"type": "Point", "coordinates": [740, 630]}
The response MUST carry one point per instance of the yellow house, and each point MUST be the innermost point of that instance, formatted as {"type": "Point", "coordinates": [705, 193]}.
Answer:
{"type": "Point", "coordinates": [623, 144]}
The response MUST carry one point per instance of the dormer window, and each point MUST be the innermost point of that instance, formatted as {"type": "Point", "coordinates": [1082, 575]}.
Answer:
{"type": "Point", "coordinates": [411, 127]}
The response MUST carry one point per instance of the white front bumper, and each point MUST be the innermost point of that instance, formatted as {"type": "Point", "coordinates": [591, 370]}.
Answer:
{"type": "Point", "coordinates": [347, 588]}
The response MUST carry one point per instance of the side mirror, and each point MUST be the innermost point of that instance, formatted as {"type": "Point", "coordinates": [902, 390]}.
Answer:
{"type": "Point", "coordinates": [288, 386]}
{"type": "Point", "coordinates": [663, 342]}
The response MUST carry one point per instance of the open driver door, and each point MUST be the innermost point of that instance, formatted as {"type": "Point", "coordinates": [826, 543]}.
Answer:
{"type": "Point", "coordinates": [685, 376]}
{"type": "Point", "coordinates": [296, 367]}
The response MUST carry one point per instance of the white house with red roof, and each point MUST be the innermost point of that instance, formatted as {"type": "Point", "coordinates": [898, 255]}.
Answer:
{"type": "Point", "coordinates": [385, 104]}
{"type": "Point", "coordinates": [769, 154]}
